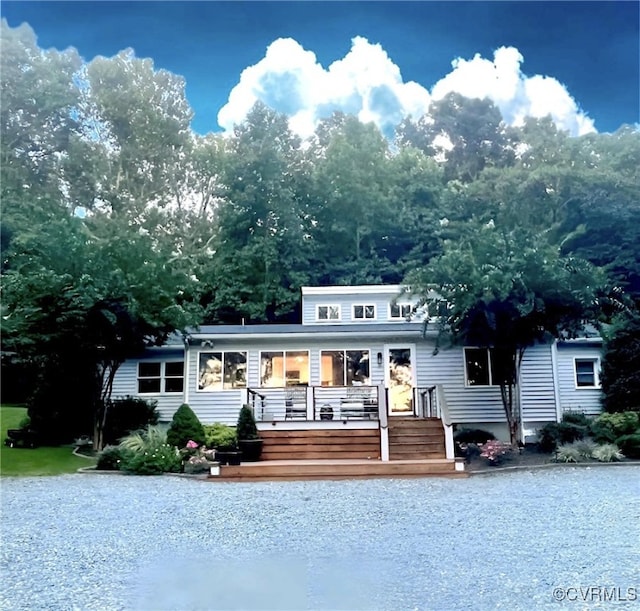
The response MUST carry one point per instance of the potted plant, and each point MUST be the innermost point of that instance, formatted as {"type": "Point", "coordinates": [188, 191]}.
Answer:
{"type": "Point", "coordinates": [223, 438]}
{"type": "Point", "coordinates": [249, 440]}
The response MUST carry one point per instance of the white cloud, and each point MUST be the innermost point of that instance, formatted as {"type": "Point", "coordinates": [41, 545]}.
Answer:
{"type": "Point", "coordinates": [515, 94]}
{"type": "Point", "coordinates": [368, 84]}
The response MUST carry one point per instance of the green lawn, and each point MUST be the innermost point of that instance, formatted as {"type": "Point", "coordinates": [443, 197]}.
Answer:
{"type": "Point", "coordinates": [39, 461]}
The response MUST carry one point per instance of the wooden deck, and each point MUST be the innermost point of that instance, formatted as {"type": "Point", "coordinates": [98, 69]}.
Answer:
{"type": "Point", "coordinates": [334, 469]}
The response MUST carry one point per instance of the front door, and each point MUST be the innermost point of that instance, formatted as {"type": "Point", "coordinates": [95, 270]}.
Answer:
{"type": "Point", "coordinates": [400, 377]}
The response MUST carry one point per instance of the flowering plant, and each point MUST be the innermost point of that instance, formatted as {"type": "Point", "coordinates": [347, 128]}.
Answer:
{"type": "Point", "coordinates": [196, 458]}
{"type": "Point", "coordinates": [494, 450]}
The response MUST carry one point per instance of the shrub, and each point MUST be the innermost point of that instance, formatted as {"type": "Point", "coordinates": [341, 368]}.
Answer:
{"type": "Point", "coordinates": [569, 453]}
{"type": "Point", "coordinates": [606, 428]}
{"type": "Point", "coordinates": [185, 427]}
{"type": "Point", "coordinates": [110, 459]}
{"type": "Point", "coordinates": [608, 452]}
{"type": "Point", "coordinates": [548, 437]}
{"type": "Point", "coordinates": [147, 452]}
{"type": "Point", "coordinates": [25, 423]}
{"type": "Point", "coordinates": [246, 427]}
{"type": "Point", "coordinates": [477, 436]}
{"type": "Point", "coordinates": [152, 462]}
{"type": "Point", "coordinates": [220, 436]}
{"type": "Point", "coordinates": [629, 445]}
{"type": "Point", "coordinates": [571, 417]}
{"type": "Point", "coordinates": [126, 415]}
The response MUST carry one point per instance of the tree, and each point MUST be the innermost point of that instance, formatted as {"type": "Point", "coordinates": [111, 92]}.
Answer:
{"type": "Point", "coordinates": [506, 290]}
{"type": "Point", "coordinates": [620, 375]}
{"type": "Point", "coordinates": [81, 297]}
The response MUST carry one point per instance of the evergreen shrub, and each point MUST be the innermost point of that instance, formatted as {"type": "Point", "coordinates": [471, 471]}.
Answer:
{"type": "Point", "coordinates": [246, 427]}
{"type": "Point", "coordinates": [629, 445]}
{"type": "Point", "coordinates": [185, 427]}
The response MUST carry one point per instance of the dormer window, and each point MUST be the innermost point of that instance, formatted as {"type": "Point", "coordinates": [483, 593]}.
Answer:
{"type": "Point", "coordinates": [328, 312]}
{"type": "Point", "coordinates": [364, 312]}
{"type": "Point", "coordinates": [400, 311]}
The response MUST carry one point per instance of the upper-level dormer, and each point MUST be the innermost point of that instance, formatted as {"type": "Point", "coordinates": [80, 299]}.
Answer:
{"type": "Point", "coordinates": [366, 304]}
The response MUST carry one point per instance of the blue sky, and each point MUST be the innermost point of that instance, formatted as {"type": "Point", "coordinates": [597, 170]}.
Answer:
{"type": "Point", "coordinates": [576, 59]}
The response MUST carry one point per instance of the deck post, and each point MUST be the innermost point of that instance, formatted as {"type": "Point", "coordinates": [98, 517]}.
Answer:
{"type": "Point", "coordinates": [384, 424]}
{"type": "Point", "coordinates": [310, 403]}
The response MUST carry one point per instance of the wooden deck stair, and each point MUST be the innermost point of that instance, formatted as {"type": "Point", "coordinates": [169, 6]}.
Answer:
{"type": "Point", "coordinates": [416, 450]}
{"type": "Point", "coordinates": [363, 444]}
{"type": "Point", "coordinates": [416, 439]}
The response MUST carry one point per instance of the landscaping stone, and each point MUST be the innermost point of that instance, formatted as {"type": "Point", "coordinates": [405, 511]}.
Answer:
{"type": "Point", "coordinates": [154, 543]}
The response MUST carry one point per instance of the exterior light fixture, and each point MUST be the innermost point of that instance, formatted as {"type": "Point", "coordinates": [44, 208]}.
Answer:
{"type": "Point", "coordinates": [379, 358]}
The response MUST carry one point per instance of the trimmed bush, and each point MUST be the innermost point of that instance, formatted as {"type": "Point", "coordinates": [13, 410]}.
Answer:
{"type": "Point", "coordinates": [246, 427]}
{"type": "Point", "coordinates": [608, 452]}
{"type": "Point", "coordinates": [220, 436]}
{"type": "Point", "coordinates": [185, 427]}
{"type": "Point", "coordinates": [477, 436]}
{"type": "Point", "coordinates": [629, 445]}
{"type": "Point", "coordinates": [126, 415]}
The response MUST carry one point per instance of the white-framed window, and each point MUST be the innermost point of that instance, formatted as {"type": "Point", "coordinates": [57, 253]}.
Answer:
{"type": "Point", "coordinates": [160, 377]}
{"type": "Point", "coordinates": [400, 311]}
{"type": "Point", "coordinates": [219, 370]}
{"type": "Point", "coordinates": [280, 368]}
{"type": "Point", "coordinates": [479, 368]}
{"type": "Point", "coordinates": [344, 367]}
{"type": "Point", "coordinates": [328, 312]}
{"type": "Point", "coordinates": [587, 372]}
{"type": "Point", "coordinates": [364, 312]}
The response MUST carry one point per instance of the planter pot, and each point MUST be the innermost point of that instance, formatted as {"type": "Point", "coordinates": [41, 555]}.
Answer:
{"type": "Point", "coordinates": [251, 449]}
{"type": "Point", "coordinates": [230, 457]}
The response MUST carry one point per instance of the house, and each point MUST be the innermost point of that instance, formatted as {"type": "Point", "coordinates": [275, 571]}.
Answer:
{"type": "Point", "coordinates": [360, 360]}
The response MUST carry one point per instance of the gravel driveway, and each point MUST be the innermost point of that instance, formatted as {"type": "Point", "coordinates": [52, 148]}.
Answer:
{"type": "Point", "coordinates": [506, 541]}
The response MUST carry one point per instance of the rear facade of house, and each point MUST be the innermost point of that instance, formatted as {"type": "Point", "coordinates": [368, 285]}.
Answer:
{"type": "Point", "coordinates": [358, 351]}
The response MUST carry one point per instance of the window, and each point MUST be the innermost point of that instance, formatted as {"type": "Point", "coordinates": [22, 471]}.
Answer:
{"type": "Point", "coordinates": [344, 367]}
{"type": "Point", "coordinates": [479, 367]}
{"type": "Point", "coordinates": [587, 374]}
{"type": "Point", "coordinates": [160, 377]}
{"type": "Point", "coordinates": [364, 312]}
{"type": "Point", "coordinates": [328, 312]}
{"type": "Point", "coordinates": [400, 311]}
{"type": "Point", "coordinates": [284, 368]}
{"type": "Point", "coordinates": [222, 371]}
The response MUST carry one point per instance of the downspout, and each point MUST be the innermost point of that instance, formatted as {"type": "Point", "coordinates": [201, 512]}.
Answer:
{"type": "Point", "coordinates": [556, 386]}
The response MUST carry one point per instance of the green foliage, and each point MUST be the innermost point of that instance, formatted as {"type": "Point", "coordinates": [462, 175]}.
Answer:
{"type": "Point", "coordinates": [608, 452]}
{"type": "Point", "coordinates": [220, 436]}
{"type": "Point", "coordinates": [127, 415]}
{"type": "Point", "coordinates": [246, 427]}
{"type": "Point", "coordinates": [185, 427]}
{"type": "Point", "coordinates": [620, 375]}
{"type": "Point", "coordinates": [629, 445]}
{"type": "Point", "coordinates": [553, 434]}
{"type": "Point", "coordinates": [110, 458]}
{"type": "Point", "coordinates": [148, 452]}
{"type": "Point", "coordinates": [585, 447]}
{"type": "Point", "coordinates": [477, 436]}
{"type": "Point", "coordinates": [577, 418]}
{"type": "Point", "coordinates": [569, 453]}
{"type": "Point", "coordinates": [606, 428]}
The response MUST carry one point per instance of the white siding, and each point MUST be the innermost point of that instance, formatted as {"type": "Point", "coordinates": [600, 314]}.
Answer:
{"type": "Point", "coordinates": [536, 385]}
{"type": "Point", "coordinates": [125, 383]}
{"type": "Point", "coordinates": [346, 302]}
{"type": "Point", "coordinates": [585, 400]}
